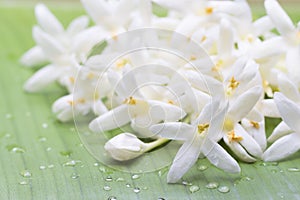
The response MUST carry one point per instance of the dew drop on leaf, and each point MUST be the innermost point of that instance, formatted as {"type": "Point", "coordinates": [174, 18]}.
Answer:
{"type": "Point", "coordinates": [212, 185]}
{"type": "Point", "coordinates": [136, 190]}
{"type": "Point", "coordinates": [194, 188]}
{"type": "Point", "coordinates": [223, 189]}
{"type": "Point", "coordinates": [107, 188]}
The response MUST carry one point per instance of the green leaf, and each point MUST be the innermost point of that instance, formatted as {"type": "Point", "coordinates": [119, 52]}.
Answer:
{"type": "Point", "coordinates": [41, 158]}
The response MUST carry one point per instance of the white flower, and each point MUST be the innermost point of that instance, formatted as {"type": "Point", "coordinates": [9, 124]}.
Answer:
{"type": "Point", "coordinates": [199, 137]}
{"type": "Point", "coordinates": [290, 143]}
{"type": "Point", "coordinates": [127, 146]}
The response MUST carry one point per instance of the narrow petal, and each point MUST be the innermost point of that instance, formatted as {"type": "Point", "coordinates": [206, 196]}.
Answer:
{"type": "Point", "coordinates": [51, 47]}
{"type": "Point", "coordinates": [289, 111]}
{"type": "Point", "coordinates": [184, 159]}
{"type": "Point", "coordinates": [279, 17]}
{"type": "Point", "coordinates": [174, 130]}
{"type": "Point", "coordinates": [226, 41]}
{"type": "Point", "coordinates": [250, 145]}
{"type": "Point", "coordinates": [115, 118]}
{"type": "Point", "coordinates": [288, 88]}
{"type": "Point", "coordinates": [47, 20]}
{"type": "Point", "coordinates": [279, 131]}
{"type": "Point", "coordinates": [62, 108]}
{"type": "Point", "coordinates": [268, 108]}
{"type": "Point", "coordinates": [283, 147]}
{"type": "Point", "coordinates": [263, 25]}
{"type": "Point", "coordinates": [96, 9]}
{"type": "Point", "coordinates": [99, 107]}
{"type": "Point", "coordinates": [42, 78]}
{"type": "Point", "coordinates": [245, 103]}
{"type": "Point", "coordinates": [77, 25]}
{"type": "Point", "coordinates": [271, 47]}
{"type": "Point", "coordinates": [219, 157]}
{"type": "Point", "coordinates": [33, 57]}
{"type": "Point", "coordinates": [239, 150]}
{"type": "Point", "coordinates": [293, 62]}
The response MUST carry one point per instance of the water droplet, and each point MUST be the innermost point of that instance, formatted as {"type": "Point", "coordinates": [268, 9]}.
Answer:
{"type": "Point", "coordinates": [293, 169]}
{"type": "Point", "coordinates": [25, 173]}
{"type": "Point", "coordinates": [42, 139]}
{"type": "Point", "coordinates": [194, 188]}
{"type": "Point", "coordinates": [162, 171]}
{"type": "Point", "coordinates": [109, 179]}
{"type": "Point", "coordinates": [112, 198]}
{"type": "Point", "coordinates": [186, 183]}
{"type": "Point", "coordinates": [106, 188]}
{"type": "Point", "coordinates": [128, 185]}
{"type": "Point", "coordinates": [265, 164]}
{"type": "Point", "coordinates": [7, 135]}
{"type": "Point", "coordinates": [28, 114]}
{"type": "Point", "coordinates": [71, 163]}
{"type": "Point", "coordinates": [120, 179]}
{"type": "Point", "coordinates": [48, 149]}
{"type": "Point", "coordinates": [223, 189]}
{"type": "Point", "coordinates": [23, 183]}
{"type": "Point", "coordinates": [160, 198]}
{"type": "Point", "coordinates": [96, 164]}
{"type": "Point", "coordinates": [15, 148]}
{"type": "Point", "coordinates": [42, 167]}
{"type": "Point", "coordinates": [79, 145]}
{"type": "Point", "coordinates": [212, 185]}
{"type": "Point", "coordinates": [66, 153]}
{"type": "Point", "coordinates": [50, 166]}
{"type": "Point", "coordinates": [8, 116]}
{"type": "Point", "coordinates": [136, 190]}
{"type": "Point", "coordinates": [145, 188]}
{"type": "Point", "coordinates": [273, 171]}
{"type": "Point", "coordinates": [135, 176]}
{"type": "Point", "coordinates": [202, 167]}
{"type": "Point", "coordinates": [74, 176]}
{"type": "Point", "coordinates": [72, 129]}
{"type": "Point", "coordinates": [102, 169]}
{"type": "Point", "coordinates": [45, 125]}
{"type": "Point", "coordinates": [246, 178]}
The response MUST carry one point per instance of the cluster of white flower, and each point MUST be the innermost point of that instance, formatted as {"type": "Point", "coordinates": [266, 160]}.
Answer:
{"type": "Point", "coordinates": [215, 82]}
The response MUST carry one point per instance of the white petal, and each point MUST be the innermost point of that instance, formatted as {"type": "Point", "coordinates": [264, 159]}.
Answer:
{"type": "Point", "coordinates": [268, 108]}
{"type": "Point", "coordinates": [280, 130]}
{"type": "Point", "coordinates": [184, 159]}
{"type": "Point", "coordinates": [160, 111]}
{"type": "Point", "coordinates": [33, 57]}
{"type": "Point", "coordinates": [219, 157]}
{"type": "Point", "coordinates": [289, 111]}
{"type": "Point", "coordinates": [239, 150]}
{"type": "Point", "coordinates": [115, 118]}
{"type": "Point", "coordinates": [47, 20]}
{"type": "Point", "coordinates": [288, 88]}
{"type": "Point", "coordinates": [96, 9]}
{"type": "Point", "coordinates": [63, 109]}
{"type": "Point", "coordinates": [271, 47]}
{"type": "Point", "coordinates": [279, 17]}
{"type": "Point", "coordinates": [225, 42]}
{"type": "Point", "coordinates": [283, 147]}
{"type": "Point", "coordinates": [293, 62]}
{"type": "Point", "coordinates": [77, 25]}
{"type": "Point", "coordinates": [263, 25]}
{"type": "Point", "coordinates": [250, 145]}
{"type": "Point", "coordinates": [99, 108]}
{"type": "Point", "coordinates": [174, 130]}
{"type": "Point", "coordinates": [42, 78]}
{"type": "Point", "coordinates": [141, 131]}
{"type": "Point", "coordinates": [51, 47]}
{"type": "Point", "coordinates": [245, 103]}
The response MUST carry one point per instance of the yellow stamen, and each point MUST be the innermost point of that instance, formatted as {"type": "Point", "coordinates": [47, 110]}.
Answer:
{"type": "Point", "coordinates": [171, 102]}
{"type": "Point", "coordinates": [130, 101]}
{"type": "Point", "coordinates": [228, 125]}
{"type": "Point", "coordinates": [81, 100]}
{"type": "Point", "coordinates": [91, 75]}
{"type": "Point", "coordinates": [233, 84]}
{"type": "Point", "coordinates": [71, 103]}
{"type": "Point", "coordinates": [255, 124]}
{"type": "Point", "coordinates": [209, 10]}
{"type": "Point", "coordinates": [114, 36]}
{"type": "Point", "coordinates": [72, 79]}
{"type": "Point", "coordinates": [193, 58]}
{"type": "Point", "coordinates": [233, 138]}
{"type": "Point", "coordinates": [203, 38]}
{"type": "Point", "coordinates": [202, 127]}
{"type": "Point", "coordinates": [122, 63]}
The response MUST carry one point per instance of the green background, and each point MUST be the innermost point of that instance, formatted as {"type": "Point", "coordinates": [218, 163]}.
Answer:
{"type": "Point", "coordinates": [26, 122]}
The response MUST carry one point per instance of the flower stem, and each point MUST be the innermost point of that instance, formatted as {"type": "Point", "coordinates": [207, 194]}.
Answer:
{"type": "Point", "coordinates": [155, 144]}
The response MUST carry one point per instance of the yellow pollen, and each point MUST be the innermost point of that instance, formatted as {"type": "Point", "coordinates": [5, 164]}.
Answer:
{"type": "Point", "coordinates": [72, 79]}
{"type": "Point", "coordinates": [81, 100]}
{"type": "Point", "coordinates": [71, 103]}
{"type": "Point", "coordinates": [255, 124]}
{"type": "Point", "coordinates": [122, 63]}
{"type": "Point", "coordinates": [114, 36]}
{"type": "Point", "coordinates": [218, 65]}
{"type": "Point", "coordinates": [202, 127]}
{"type": "Point", "coordinates": [250, 38]}
{"type": "Point", "coordinates": [233, 84]}
{"type": "Point", "coordinates": [91, 75]}
{"type": "Point", "coordinates": [171, 102]}
{"type": "Point", "coordinates": [233, 138]}
{"type": "Point", "coordinates": [193, 58]}
{"type": "Point", "coordinates": [130, 101]}
{"type": "Point", "coordinates": [203, 38]}
{"type": "Point", "coordinates": [209, 10]}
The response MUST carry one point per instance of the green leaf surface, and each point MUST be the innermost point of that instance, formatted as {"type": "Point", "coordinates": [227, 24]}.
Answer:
{"type": "Point", "coordinates": [41, 158]}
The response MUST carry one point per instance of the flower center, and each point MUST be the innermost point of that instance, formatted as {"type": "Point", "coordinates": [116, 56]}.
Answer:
{"type": "Point", "coordinates": [232, 85]}
{"type": "Point", "coordinates": [228, 125]}
{"type": "Point", "coordinates": [233, 138]}
{"type": "Point", "coordinates": [255, 124]}
{"type": "Point", "coordinates": [202, 128]}
{"type": "Point", "coordinates": [130, 101]}
{"type": "Point", "coordinates": [209, 10]}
